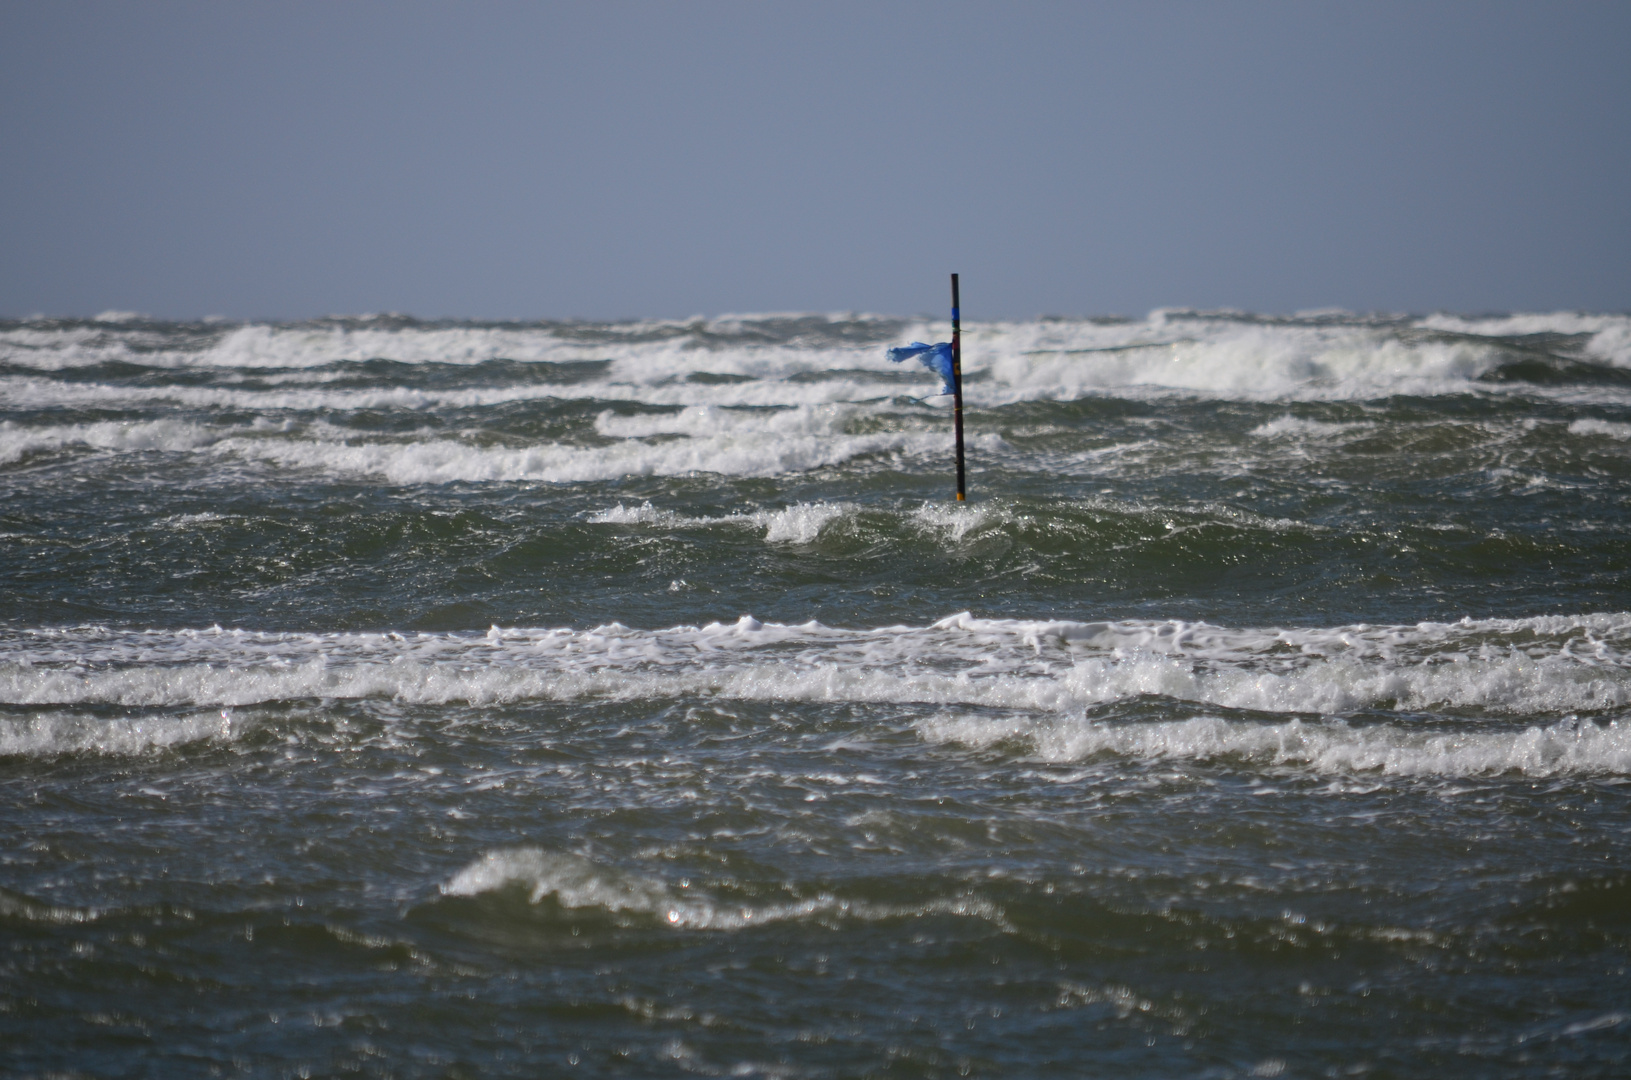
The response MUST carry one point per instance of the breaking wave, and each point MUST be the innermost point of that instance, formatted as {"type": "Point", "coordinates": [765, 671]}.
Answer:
{"type": "Point", "coordinates": [1051, 672]}
{"type": "Point", "coordinates": [799, 360]}
{"type": "Point", "coordinates": [583, 886]}
{"type": "Point", "coordinates": [51, 733]}
{"type": "Point", "coordinates": [1567, 747]}
{"type": "Point", "coordinates": [760, 445]}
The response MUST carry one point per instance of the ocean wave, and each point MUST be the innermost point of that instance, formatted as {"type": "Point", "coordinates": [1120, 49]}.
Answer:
{"type": "Point", "coordinates": [942, 523]}
{"type": "Point", "coordinates": [1605, 428]}
{"type": "Point", "coordinates": [1549, 665]}
{"type": "Point", "coordinates": [792, 360]}
{"type": "Point", "coordinates": [1565, 748]}
{"type": "Point", "coordinates": [1298, 427]}
{"type": "Point", "coordinates": [50, 734]}
{"type": "Point", "coordinates": [583, 886]}
{"type": "Point", "coordinates": [759, 444]}
{"type": "Point", "coordinates": [800, 523]}
{"type": "Point", "coordinates": [18, 441]}
{"type": "Point", "coordinates": [1508, 686]}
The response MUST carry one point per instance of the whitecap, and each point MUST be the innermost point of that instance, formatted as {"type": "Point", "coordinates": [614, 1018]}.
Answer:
{"type": "Point", "coordinates": [1563, 748]}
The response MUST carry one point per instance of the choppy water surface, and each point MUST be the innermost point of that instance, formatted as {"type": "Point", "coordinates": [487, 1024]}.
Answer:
{"type": "Point", "coordinates": [390, 698]}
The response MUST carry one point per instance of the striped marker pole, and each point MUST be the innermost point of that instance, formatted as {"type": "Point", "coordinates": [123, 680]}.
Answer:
{"type": "Point", "coordinates": [957, 381]}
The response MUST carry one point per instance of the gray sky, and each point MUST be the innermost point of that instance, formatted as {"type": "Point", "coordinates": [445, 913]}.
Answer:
{"type": "Point", "coordinates": [495, 160]}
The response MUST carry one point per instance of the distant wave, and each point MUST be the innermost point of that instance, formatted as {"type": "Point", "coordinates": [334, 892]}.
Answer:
{"type": "Point", "coordinates": [730, 443]}
{"type": "Point", "coordinates": [763, 360]}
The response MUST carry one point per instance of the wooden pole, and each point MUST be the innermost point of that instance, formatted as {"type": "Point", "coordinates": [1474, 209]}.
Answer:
{"type": "Point", "coordinates": [957, 381]}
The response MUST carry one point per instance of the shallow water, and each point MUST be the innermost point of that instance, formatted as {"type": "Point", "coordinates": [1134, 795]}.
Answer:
{"type": "Point", "coordinates": [415, 699]}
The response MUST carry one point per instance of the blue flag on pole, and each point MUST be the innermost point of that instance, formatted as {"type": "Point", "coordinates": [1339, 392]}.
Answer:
{"type": "Point", "coordinates": [937, 358]}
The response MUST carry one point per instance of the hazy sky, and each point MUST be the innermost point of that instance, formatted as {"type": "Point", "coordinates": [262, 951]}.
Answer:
{"type": "Point", "coordinates": [496, 160]}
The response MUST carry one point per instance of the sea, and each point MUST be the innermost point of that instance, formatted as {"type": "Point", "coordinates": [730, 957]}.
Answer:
{"type": "Point", "coordinates": [384, 697]}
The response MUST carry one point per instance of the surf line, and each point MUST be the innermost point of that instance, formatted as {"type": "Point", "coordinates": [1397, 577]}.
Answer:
{"type": "Point", "coordinates": [945, 359]}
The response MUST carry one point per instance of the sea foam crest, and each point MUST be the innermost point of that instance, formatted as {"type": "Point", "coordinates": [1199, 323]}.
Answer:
{"type": "Point", "coordinates": [1568, 747]}
{"type": "Point", "coordinates": [1606, 428]}
{"type": "Point", "coordinates": [1548, 665]}
{"type": "Point", "coordinates": [800, 523]}
{"type": "Point", "coordinates": [583, 885]}
{"type": "Point", "coordinates": [1298, 427]}
{"type": "Point", "coordinates": [18, 441]}
{"type": "Point", "coordinates": [803, 360]}
{"type": "Point", "coordinates": [759, 445]}
{"type": "Point", "coordinates": [52, 733]}
{"type": "Point", "coordinates": [1508, 685]}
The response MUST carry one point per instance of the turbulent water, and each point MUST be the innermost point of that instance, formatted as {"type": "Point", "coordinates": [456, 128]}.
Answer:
{"type": "Point", "coordinates": [394, 698]}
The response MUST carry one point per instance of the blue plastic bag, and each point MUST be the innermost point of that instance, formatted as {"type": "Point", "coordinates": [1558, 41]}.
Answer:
{"type": "Point", "coordinates": [937, 358]}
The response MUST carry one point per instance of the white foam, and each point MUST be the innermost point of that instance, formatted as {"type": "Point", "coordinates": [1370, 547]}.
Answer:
{"type": "Point", "coordinates": [439, 461]}
{"type": "Point", "coordinates": [1608, 336]}
{"type": "Point", "coordinates": [659, 350]}
{"type": "Point", "coordinates": [778, 406]}
{"type": "Point", "coordinates": [1605, 428]}
{"type": "Point", "coordinates": [709, 421]}
{"type": "Point", "coordinates": [1232, 358]}
{"type": "Point", "coordinates": [575, 882]}
{"type": "Point", "coordinates": [1031, 681]}
{"type": "Point", "coordinates": [1567, 747]}
{"type": "Point", "coordinates": [1549, 666]}
{"type": "Point", "coordinates": [800, 523]}
{"type": "Point", "coordinates": [18, 441]}
{"type": "Point", "coordinates": [756, 444]}
{"type": "Point", "coordinates": [580, 884]}
{"type": "Point", "coordinates": [50, 734]}
{"type": "Point", "coordinates": [1218, 355]}
{"type": "Point", "coordinates": [950, 523]}
{"type": "Point", "coordinates": [310, 393]}
{"type": "Point", "coordinates": [1297, 427]}
{"type": "Point", "coordinates": [644, 514]}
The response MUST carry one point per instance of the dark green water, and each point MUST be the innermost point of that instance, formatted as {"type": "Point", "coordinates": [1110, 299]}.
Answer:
{"type": "Point", "coordinates": [407, 699]}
